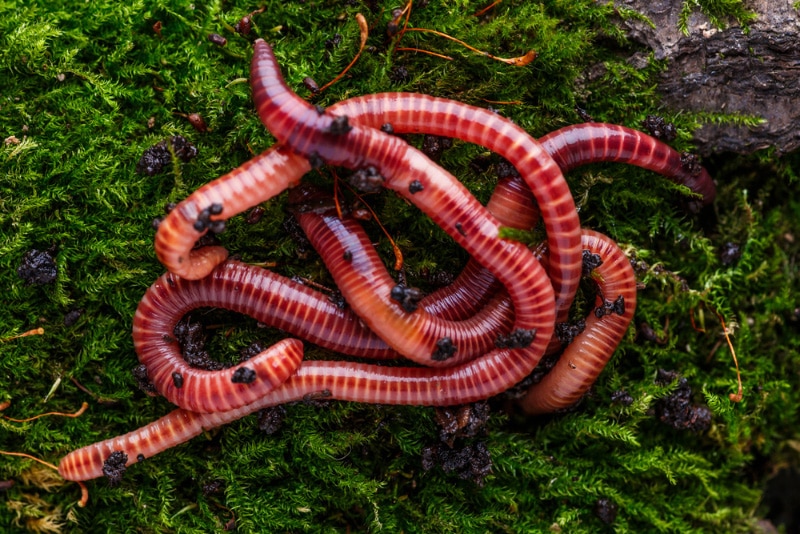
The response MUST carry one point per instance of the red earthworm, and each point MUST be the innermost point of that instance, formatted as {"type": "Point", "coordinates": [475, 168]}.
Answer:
{"type": "Point", "coordinates": [590, 142]}
{"type": "Point", "coordinates": [571, 146]}
{"type": "Point", "coordinates": [368, 288]}
{"type": "Point", "coordinates": [582, 361]}
{"type": "Point", "coordinates": [259, 179]}
{"type": "Point", "coordinates": [322, 137]}
{"type": "Point", "coordinates": [437, 193]}
{"type": "Point", "coordinates": [360, 382]}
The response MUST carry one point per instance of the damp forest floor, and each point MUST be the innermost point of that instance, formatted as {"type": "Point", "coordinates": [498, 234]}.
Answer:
{"type": "Point", "coordinates": [87, 87]}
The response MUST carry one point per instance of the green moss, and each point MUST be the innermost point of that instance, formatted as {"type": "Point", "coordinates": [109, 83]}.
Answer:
{"type": "Point", "coordinates": [719, 13]}
{"type": "Point", "coordinates": [79, 83]}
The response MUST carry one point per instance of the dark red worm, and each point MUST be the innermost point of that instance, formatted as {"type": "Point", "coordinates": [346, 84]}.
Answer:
{"type": "Point", "coordinates": [360, 382]}
{"type": "Point", "coordinates": [582, 361]}
{"type": "Point", "coordinates": [437, 193]}
{"type": "Point", "coordinates": [368, 288]}
{"type": "Point", "coordinates": [324, 137]}
{"type": "Point", "coordinates": [180, 425]}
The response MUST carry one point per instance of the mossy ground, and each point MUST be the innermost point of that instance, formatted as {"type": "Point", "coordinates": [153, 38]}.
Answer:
{"type": "Point", "coordinates": [79, 83]}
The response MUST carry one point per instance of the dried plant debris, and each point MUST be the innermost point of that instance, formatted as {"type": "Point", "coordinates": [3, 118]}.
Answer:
{"type": "Point", "coordinates": [660, 128]}
{"type": "Point", "coordinates": [191, 336]}
{"type": "Point", "coordinates": [466, 421]}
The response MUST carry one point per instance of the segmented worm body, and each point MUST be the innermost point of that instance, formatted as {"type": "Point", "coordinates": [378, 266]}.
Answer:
{"type": "Point", "coordinates": [437, 193]}
{"type": "Point", "coordinates": [503, 295]}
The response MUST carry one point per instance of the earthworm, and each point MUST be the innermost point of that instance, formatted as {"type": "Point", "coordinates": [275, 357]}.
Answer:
{"type": "Point", "coordinates": [591, 142]}
{"type": "Point", "coordinates": [582, 361]}
{"type": "Point", "coordinates": [369, 289]}
{"type": "Point", "coordinates": [342, 380]}
{"type": "Point", "coordinates": [259, 179]}
{"type": "Point", "coordinates": [320, 136]}
{"type": "Point", "coordinates": [359, 382]}
{"type": "Point", "coordinates": [325, 138]}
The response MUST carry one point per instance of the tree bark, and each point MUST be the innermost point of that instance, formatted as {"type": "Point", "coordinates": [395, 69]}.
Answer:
{"type": "Point", "coordinates": [752, 73]}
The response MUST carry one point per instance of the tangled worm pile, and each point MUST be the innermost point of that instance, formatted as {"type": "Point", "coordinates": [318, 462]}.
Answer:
{"type": "Point", "coordinates": [471, 340]}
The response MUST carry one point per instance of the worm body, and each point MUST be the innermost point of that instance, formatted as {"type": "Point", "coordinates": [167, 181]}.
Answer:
{"type": "Point", "coordinates": [476, 338]}
{"type": "Point", "coordinates": [582, 361]}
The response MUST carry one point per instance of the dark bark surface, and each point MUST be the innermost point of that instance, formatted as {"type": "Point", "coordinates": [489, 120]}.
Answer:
{"type": "Point", "coordinates": [752, 73]}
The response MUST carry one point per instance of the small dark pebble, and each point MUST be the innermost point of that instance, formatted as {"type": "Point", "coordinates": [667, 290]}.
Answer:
{"type": "Point", "coordinates": [114, 467]}
{"type": "Point", "coordinates": [608, 307]}
{"type": "Point", "coordinates": [471, 462]}
{"type": "Point", "coordinates": [415, 187]}
{"type": "Point", "coordinates": [730, 253]}
{"type": "Point", "coordinates": [253, 349]}
{"type": "Point", "coordinates": [445, 349]}
{"type": "Point", "coordinates": [270, 420]}
{"type": "Point", "coordinates": [38, 267]}
{"type": "Point", "coordinates": [622, 397]}
{"type": "Point", "coordinates": [606, 510]}
{"type": "Point", "coordinates": [408, 297]}
{"type": "Point", "coordinates": [333, 42]}
{"type": "Point", "coordinates": [516, 339]}
{"type": "Point", "coordinates": [433, 146]}
{"type": "Point", "coordinates": [72, 317]}
{"type": "Point", "coordinates": [158, 156]}
{"type": "Point", "coordinates": [339, 125]}
{"type": "Point", "coordinates": [691, 163]}
{"type": "Point", "coordinates": [142, 380]}
{"type": "Point", "coordinates": [659, 128]}
{"type": "Point", "coordinates": [677, 409]}
{"type": "Point", "coordinates": [590, 262]}
{"type": "Point", "coordinates": [399, 74]}
{"type": "Point", "coordinates": [191, 337]}
{"type": "Point", "coordinates": [243, 375]}
{"type": "Point", "coordinates": [367, 180]}
{"type": "Point", "coordinates": [566, 332]}
{"type": "Point", "coordinates": [504, 169]}
{"type": "Point", "coordinates": [177, 380]}
{"type": "Point", "coordinates": [211, 487]}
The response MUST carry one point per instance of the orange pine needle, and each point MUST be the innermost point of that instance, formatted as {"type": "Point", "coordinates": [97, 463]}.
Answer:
{"type": "Point", "coordinates": [520, 61]}
{"type": "Point", "coordinates": [364, 33]}
{"type": "Point", "coordinates": [83, 408]}
{"type": "Point", "coordinates": [35, 332]}
{"type": "Point", "coordinates": [398, 254]}
{"type": "Point", "coordinates": [694, 325]}
{"type": "Point", "coordinates": [487, 8]}
{"type": "Point", "coordinates": [434, 54]}
{"type": "Point", "coordinates": [734, 397]}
